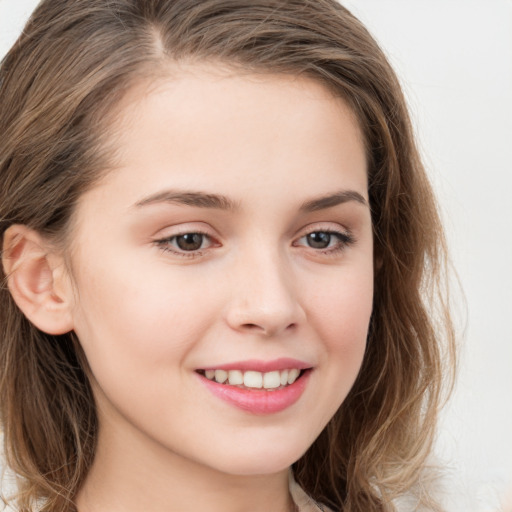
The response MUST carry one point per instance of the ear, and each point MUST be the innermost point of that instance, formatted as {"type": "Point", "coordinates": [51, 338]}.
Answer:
{"type": "Point", "coordinates": [37, 280]}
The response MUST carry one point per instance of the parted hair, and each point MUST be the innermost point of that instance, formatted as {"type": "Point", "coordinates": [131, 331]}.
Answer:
{"type": "Point", "coordinates": [60, 82]}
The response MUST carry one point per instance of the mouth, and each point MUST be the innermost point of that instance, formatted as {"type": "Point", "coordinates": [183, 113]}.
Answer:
{"type": "Point", "coordinates": [255, 380]}
{"type": "Point", "coordinates": [274, 389]}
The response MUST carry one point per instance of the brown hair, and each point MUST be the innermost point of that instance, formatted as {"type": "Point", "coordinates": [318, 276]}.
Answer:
{"type": "Point", "coordinates": [68, 70]}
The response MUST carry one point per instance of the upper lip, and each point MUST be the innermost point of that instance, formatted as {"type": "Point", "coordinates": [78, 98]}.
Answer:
{"type": "Point", "coordinates": [258, 365]}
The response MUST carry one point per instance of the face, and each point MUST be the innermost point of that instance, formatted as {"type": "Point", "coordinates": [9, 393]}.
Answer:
{"type": "Point", "coordinates": [223, 271]}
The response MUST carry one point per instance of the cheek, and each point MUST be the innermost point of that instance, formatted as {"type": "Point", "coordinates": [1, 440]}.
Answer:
{"type": "Point", "coordinates": [137, 331]}
{"type": "Point", "coordinates": [129, 322]}
{"type": "Point", "coordinates": [342, 312]}
{"type": "Point", "coordinates": [341, 319]}
{"type": "Point", "coordinates": [338, 315]}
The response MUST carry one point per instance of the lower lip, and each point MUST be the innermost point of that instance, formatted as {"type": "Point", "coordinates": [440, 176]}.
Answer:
{"type": "Point", "coordinates": [259, 401]}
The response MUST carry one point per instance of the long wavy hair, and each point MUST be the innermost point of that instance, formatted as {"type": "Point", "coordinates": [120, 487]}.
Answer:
{"type": "Point", "coordinates": [58, 86]}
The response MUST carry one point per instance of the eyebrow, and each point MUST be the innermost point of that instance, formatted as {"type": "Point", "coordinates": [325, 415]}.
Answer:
{"type": "Point", "coordinates": [331, 200]}
{"type": "Point", "coordinates": [221, 202]}
{"type": "Point", "coordinates": [190, 198]}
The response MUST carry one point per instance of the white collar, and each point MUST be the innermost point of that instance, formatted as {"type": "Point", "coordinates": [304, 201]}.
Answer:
{"type": "Point", "coordinates": [302, 500]}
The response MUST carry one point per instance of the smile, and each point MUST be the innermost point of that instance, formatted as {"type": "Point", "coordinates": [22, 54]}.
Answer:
{"type": "Point", "coordinates": [258, 387]}
{"type": "Point", "coordinates": [277, 379]}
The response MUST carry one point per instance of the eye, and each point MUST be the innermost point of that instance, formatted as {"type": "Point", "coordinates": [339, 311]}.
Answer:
{"type": "Point", "coordinates": [186, 244]}
{"type": "Point", "coordinates": [319, 239]}
{"type": "Point", "coordinates": [190, 241]}
{"type": "Point", "coordinates": [326, 240]}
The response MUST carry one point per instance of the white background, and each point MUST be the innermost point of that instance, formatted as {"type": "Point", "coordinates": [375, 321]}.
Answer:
{"type": "Point", "coordinates": [455, 61]}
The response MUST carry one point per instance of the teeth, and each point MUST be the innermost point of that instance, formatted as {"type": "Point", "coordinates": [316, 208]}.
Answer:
{"type": "Point", "coordinates": [221, 376]}
{"type": "Point", "coordinates": [271, 380]}
{"type": "Point", "coordinates": [235, 377]}
{"type": "Point", "coordinates": [292, 375]}
{"type": "Point", "coordinates": [252, 379]}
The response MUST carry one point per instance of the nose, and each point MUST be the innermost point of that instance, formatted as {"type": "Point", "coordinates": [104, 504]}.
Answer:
{"type": "Point", "coordinates": [264, 300]}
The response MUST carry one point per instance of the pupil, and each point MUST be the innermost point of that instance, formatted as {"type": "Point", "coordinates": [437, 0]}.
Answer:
{"type": "Point", "coordinates": [319, 240]}
{"type": "Point", "coordinates": [190, 241]}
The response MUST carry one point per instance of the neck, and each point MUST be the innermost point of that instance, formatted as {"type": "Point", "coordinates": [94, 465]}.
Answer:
{"type": "Point", "coordinates": [128, 474]}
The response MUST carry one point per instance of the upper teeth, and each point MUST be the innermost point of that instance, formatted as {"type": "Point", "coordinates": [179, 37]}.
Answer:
{"type": "Point", "coordinates": [252, 379]}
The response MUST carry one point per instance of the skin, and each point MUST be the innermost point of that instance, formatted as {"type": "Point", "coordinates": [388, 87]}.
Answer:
{"type": "Point", "coordinates": [149, 314]}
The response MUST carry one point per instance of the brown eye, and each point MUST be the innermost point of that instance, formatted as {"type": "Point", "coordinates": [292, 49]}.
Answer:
{"type": "Point", "coordinates": [187, 245]}
{"type": "Point", "coordinates": [319, 239]}
{"type": "Point", "coordinates": [190, 241]}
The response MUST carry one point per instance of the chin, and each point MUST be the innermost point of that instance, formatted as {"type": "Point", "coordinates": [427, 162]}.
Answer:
{"type": "Point", "coordinates": [260, 462]}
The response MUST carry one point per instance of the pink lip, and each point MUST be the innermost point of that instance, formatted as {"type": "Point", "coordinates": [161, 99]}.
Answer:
{"type": "Point", "coordinates": [258, 401]}
{"type": "Point", "coordinates": [283, 363]}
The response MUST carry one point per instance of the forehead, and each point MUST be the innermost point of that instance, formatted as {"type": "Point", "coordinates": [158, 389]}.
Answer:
{"type": "Point", "coordinates": [198, 82]}
{"type": "Point", "coordinates": [233, 132]}
{"type": "Point", "coordinates": [212, 106]}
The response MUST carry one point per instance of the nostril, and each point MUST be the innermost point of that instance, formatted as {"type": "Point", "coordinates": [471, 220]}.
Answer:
{"type": "Point", "coordinates": [267, 330]}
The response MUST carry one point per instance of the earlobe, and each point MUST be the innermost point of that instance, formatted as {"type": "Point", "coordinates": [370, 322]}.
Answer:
{"type": "Point", "coordinates": [37, 280]}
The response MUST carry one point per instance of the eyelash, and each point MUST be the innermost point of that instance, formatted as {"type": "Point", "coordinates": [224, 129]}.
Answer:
{"type": "Point", "coordinates": [345, 239]}
{"type": "Point", "coordinates": [165, 244]}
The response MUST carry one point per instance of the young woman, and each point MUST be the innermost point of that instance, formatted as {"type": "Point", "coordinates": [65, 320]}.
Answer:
{"type": "Point", "coordinates": [222, 261]}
